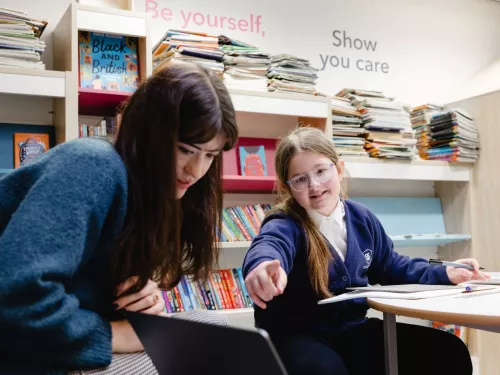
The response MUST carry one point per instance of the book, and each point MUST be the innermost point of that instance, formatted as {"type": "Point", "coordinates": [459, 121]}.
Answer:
{"type": "Point", "coordinates": [27, 146]}
{"type": "Point", "coordinates": [445, 290]}
{"type": "Point", "coordinates": [405, 288]}
{"type": "Point", "coordinates": [253, 161]}
{"type": "Point", "coordinates": [108, 62]}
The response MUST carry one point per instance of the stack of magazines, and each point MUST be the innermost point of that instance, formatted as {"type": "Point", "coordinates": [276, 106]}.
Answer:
{"type": "Point", "coordinates": [20, 44]}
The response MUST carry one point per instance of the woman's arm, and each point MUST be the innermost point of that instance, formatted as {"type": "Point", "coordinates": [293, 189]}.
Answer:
{"type": "Point", "coordinates": [54, 230]}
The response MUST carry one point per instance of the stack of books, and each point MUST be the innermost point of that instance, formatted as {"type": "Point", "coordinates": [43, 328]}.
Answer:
{"type": "Point", "coordinates": [190, 46]}
{"type": "Point", "coordinates": [20, 44]}
{"type": "Point", "coordinates": [245, 66]}
{"type": "Point", "coordinates": [420, 119]}
{"type": "Point", "coordinates": [389, 134]}
{"type": "Point", "coordinates": [241, 65]}
{"type": "Point", "coordinates": [347, 127]}
{"type": "Point", "coordinates": [453, 136]}
{"type": "Point", "coordinates": [289, 73]}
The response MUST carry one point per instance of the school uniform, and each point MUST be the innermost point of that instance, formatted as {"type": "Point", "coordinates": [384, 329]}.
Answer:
{"type": "Point", "coordinates": [337, 338]}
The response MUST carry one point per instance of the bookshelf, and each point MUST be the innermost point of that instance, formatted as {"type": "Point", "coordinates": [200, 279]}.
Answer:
{"type": "Point", "coordinates": [90, 102]}
{"type": "Point", "coordinates": [267, 116]}
{"type": "Point", "coordinates": [271, 115]}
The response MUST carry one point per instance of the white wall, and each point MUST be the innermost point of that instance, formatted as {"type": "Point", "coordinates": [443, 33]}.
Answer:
{"type": "Point", "coordinates": [429, 46]}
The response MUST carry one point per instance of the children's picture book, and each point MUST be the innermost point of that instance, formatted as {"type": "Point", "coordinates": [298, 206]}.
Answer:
{"type": "Point", "coordinates": [108, 62]}
{"type": "Point", "coordinates": [253, 161]}
{"type": "Point", "coordinates": [27, 146]}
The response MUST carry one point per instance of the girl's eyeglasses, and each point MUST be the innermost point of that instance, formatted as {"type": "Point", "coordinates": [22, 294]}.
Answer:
{"type": "Point", "coordinates": [321, 173]}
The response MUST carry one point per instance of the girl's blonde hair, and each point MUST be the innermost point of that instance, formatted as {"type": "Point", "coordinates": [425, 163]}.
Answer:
{"type": "Point", "coordinates": [313, 140]}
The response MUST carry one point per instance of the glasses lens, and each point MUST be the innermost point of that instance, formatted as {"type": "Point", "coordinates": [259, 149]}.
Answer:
{"type": "Point", "coordinates": [323, 173]}
{"type": "Point", "coordinates": [300, 183]}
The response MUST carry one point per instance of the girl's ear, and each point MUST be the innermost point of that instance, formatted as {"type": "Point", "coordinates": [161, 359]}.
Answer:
{"type": "Point", "coordinates": [340, 168]}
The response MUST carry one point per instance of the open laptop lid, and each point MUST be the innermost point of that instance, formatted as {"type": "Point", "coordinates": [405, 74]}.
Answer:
{"type": "Point", "coordinates": [183, 347]}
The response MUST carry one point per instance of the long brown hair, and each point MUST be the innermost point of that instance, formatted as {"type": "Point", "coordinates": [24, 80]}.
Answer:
{"type": "Point", "coordinates": [164, 238]}
{"type": "Point", "coordinates": [319, 257]}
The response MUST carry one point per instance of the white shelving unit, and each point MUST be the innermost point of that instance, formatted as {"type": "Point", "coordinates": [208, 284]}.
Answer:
{"type": "Point", "coordinates": [271, 115]}
{"type": "Point", "coordinates": [80, 17]}
{"type": "Point", "coordinates": [112, 21]}
{"type": "Point", "coordinates": [296, 105]}
{"type": "Point", "coordinates": [44, 83]}
{"type": "Point", "coordinates": [421, 170]}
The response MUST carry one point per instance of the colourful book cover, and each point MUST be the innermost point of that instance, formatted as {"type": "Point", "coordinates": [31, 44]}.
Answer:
{"type": "Point", "coordinates": [108, 62]}
{"type": "Point", "coordinates": [27, 146]}
{"type": "Point", "coordinates": [253, 161]}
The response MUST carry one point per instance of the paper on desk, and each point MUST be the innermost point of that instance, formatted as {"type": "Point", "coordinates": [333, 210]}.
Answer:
{"type": "Point", "coordinates": [414, 295]}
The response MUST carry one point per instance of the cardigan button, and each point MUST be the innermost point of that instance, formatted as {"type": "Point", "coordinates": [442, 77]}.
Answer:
{"type": "Point", "coordinates": [344, 278]}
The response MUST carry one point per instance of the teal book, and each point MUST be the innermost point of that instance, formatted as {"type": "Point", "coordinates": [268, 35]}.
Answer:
{"type": "Point", "coordinates": [108, 62]}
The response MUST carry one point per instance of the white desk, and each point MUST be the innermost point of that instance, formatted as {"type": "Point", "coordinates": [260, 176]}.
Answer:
{"type": "Point", "coordinates": [479, 312]}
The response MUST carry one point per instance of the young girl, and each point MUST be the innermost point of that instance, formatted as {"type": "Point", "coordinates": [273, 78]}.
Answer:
{"type": "Point", "coordinates": [315, 244]}
{"type": "Point", "coordinates": [85, 228]}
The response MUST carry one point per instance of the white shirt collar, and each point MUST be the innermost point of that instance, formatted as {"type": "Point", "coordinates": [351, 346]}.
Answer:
{"type": "Point", "coordinates": [337, 215]}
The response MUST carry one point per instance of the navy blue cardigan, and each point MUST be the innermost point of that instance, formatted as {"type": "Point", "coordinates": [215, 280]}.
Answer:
{"type": "Point", "coordinates": [370, 259]}
{"type": "Point", "coordinates": [59, 217]}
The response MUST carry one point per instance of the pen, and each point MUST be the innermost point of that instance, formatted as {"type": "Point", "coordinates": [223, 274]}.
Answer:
{"type": "Point", "coordinates": [479, 293]}
{"type": "Point", "coordinates": [452, 264]}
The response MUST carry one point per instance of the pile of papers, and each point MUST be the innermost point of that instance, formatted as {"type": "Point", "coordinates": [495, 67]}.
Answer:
{"type": "Point", "coordinates": [452, 136]}
{"type": "Point", "coordinates": [289, 73]}
{"type": "Point", "coordinates": [20, 44]}
{"type": "Point", "coordinates": [386, 122]}
{"type": "Point", "coordinates": [411, 292]}
{"type": "Point", "coordinates": [241, 65]}
{"type": "Point", "coordinates": [347, 129]}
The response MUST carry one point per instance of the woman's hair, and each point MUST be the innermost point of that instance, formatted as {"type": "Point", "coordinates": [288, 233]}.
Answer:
{"type": "Point", "coordinates": [314, 140]}
{"type": "Point", "coordinates": [162, 237]}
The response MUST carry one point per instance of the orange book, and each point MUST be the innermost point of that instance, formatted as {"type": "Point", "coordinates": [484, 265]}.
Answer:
{"type": "Point", "coordinates": [27, 146]}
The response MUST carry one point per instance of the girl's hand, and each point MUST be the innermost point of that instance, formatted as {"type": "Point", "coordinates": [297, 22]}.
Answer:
{"type": "Point", "coordinates": [148, 300]}
{"type": "Point", "coordinates": [265, 282]}
{"type": "Point", "coordinates": [460, 275]}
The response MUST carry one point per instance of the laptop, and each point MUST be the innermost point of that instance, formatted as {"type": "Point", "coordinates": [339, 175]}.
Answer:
{"type": "Point", "coordinates": [183, 347]}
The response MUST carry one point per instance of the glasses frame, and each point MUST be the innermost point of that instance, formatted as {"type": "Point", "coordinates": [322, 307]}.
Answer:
{"type": "Point", "coordinates": [289, 182]}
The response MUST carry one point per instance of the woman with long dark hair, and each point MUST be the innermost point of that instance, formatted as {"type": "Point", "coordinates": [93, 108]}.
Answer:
{"type": "Point", "coordinates": [91, 227]}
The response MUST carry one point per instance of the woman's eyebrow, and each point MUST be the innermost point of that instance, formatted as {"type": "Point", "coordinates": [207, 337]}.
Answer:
{"type": "Point", "coordinates": [201, 149]}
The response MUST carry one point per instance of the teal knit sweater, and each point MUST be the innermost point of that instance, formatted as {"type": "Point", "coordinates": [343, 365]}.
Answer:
{"type": "Point", "coordinates": [59, 218]}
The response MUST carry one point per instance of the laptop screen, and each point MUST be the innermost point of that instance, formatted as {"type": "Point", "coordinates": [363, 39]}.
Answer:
{"type": "Point", "coordinates": [184, 347]}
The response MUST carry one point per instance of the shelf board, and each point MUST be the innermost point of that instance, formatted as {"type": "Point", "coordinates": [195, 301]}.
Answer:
{"type": "Point", "coordinates": [369, 168]}
{"type": "Point", "coordinates": [424, 170]}
{"type": "Point", "coordinates": [429, 240]}
{"type": "Point", "coordinates": [399, 241]}
{"type": "Point", "coordinates": [112, 21]}
{"type": "Point", "coordinates": [5, 171]}
{"type": "Point", "coordinates": [235, 245]}
{"type": "Point", "coordinates": [240, 311]}
{"type": "Point", "coordinates": [32, 82]}
{"type": "Point", "coordinates": [269, 103]}
{"type": "Point", "coordinates": [100, 102]}
{"type": "Point", "coordinates": [235, 184]}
